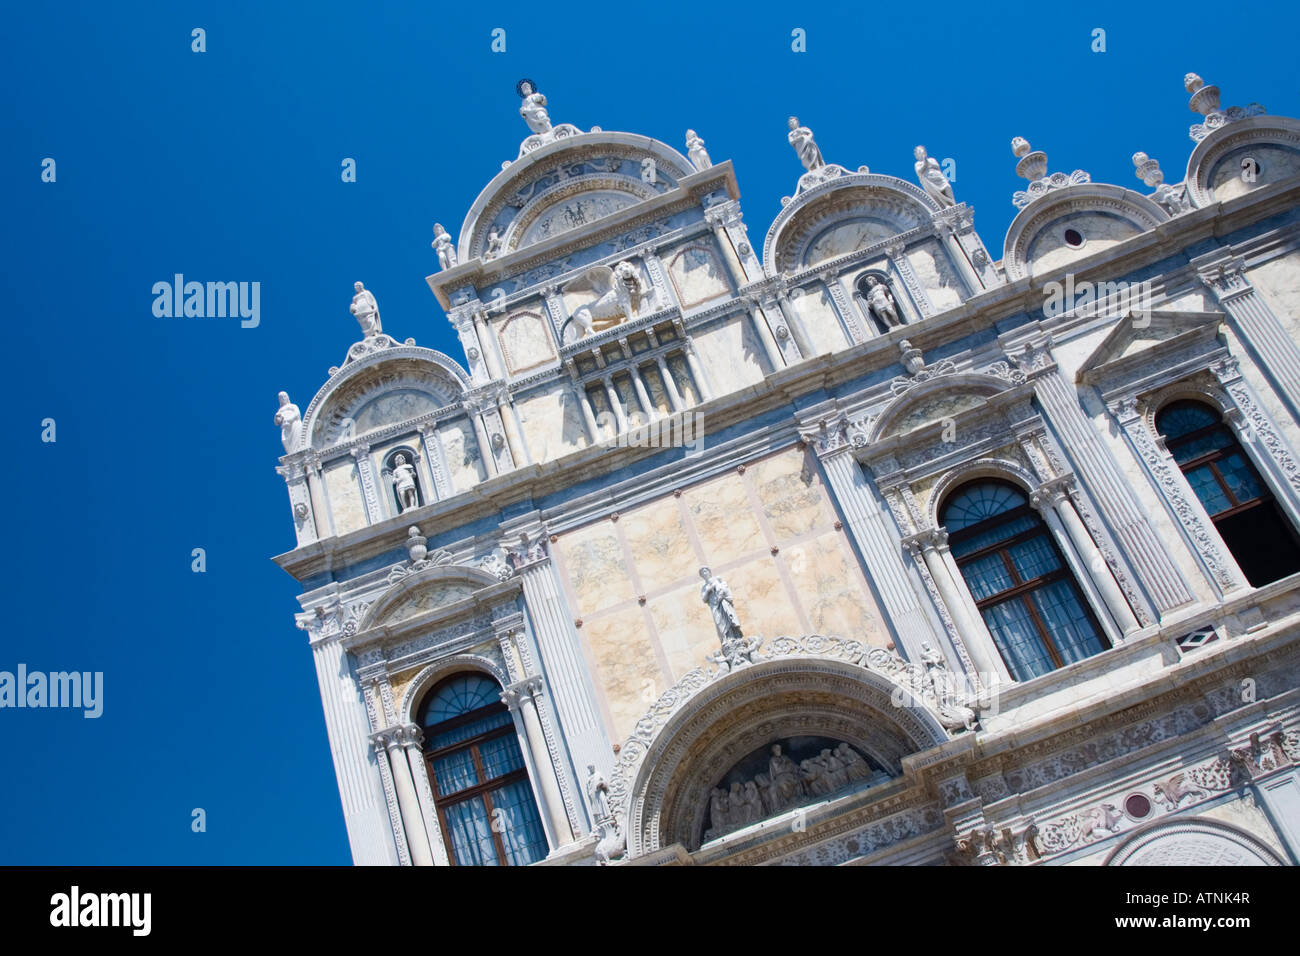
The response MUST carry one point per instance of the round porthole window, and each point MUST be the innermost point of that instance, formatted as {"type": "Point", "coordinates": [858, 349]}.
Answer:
{"type": "Point", "coordinates": [1073, 238]}
{"type": "Point", "coordinates": [1137, 806]}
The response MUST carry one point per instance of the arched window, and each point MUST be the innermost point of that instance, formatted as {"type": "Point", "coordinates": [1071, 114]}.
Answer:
{"type": "Point", "coordinates": [485, 804]}
{"type": "Point", "coordinates": [1238, 501]}
{"type": "Point", "coordinates": [1020, 582]}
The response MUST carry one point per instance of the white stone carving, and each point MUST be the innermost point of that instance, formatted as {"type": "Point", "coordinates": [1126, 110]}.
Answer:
{"type": "Point", "coordinates": [290, 421]}
{"type": "Point", "coordinates": [402, 478]}
{"type": "Point", "coordinates": [932, 179]}
{"type": "Point", "coordinates": [1033, 167]}
{"type": "Point", "coordinates": [620, 296]}
{"type": "Point", "coordinates": [444, 247]}
{"type": "Point", "coordinates": [1205, 100]}
{"type": "Point", "coordinates": [366, 311]}
{"type": "Point", "coordinates": [695, 150]}
{"type": "Point", "coordinates": [882, 303]}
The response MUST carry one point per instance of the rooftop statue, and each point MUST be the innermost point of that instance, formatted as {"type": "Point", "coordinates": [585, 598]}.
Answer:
{"type": "Point", "coordinates": [801, 138]}
{"type": "Point", "coordinates": [933, 181]}
{"type": "Point", "coordinates": [366, 310]}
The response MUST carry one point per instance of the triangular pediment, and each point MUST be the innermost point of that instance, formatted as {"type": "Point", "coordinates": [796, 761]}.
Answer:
{"type": "Point", "coordinates": [1141, 338]}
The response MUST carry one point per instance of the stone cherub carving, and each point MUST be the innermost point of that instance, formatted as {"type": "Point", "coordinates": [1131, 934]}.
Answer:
{"type": "Point", "coordinates": [933, 181]}
{"type": "Point", "coordinates": [403, 480]}
{"type": "Point", "coordinates": [366, 310]}
{"type": "Point", "coordinates": [445, 248]}
{"type": "Point", "coordinates": [881, 302]}
{"type": "Point", "coordinates": [805, 147]}
{"type": "Point", "coordinates": [533, 107]}
{"type": "Point", "coordinates": [289, 418]}
{"type": "Point", "coordinates": [620, 296]}
{"type": "Point", "coordinates": [695, 150]}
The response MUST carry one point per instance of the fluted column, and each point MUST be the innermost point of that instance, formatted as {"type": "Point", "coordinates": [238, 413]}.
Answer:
{"type": "Point", "coordinates": [1133, 532]}
{"type": "Point", "coordinates": [642, 394]}
{"type": "Point", "coordinates": [1277, 354]}
{"type": "Point", "coordinates": [665, 376]}
{"type": "Point", "coordinates": [521, 697]}
{"type": "Point", "coordinates": [1059, 506]}
{"type": "Point", "coordinates": [933, 546]}
{"type": "Point", "coordinates": [878, 542]}
{"type": "Point", "coordinates": [320, 509]}
{"type": "Point", "coordinates": [615, 404]}
{"type": "Point", "coordinates": [413, 744]}
{"type": "Point", "coordinates": [697, 371]}
{"type": "Point", "coordinates": [392, 743]}
{"type": "Point", "coordinates": [572, 695]}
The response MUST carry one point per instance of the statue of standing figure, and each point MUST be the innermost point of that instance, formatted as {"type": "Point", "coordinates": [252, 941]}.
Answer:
{"type": "Point", "coordinates": [933, 181]}
{"type": "Point", "coordinates": [443, 245]}
{"type": "Point", "coordinates": [533, 107]}
{"type": "Point", "coordinates": [881, 302]}
{"type": "Point", "coordinates": [403, 479]}
{"type": "Point", "coordinates": [695, 150]}
{"type": "Point", "coordinates": [717, 595]}
{"type": "Point", "coordinates": [289, 418]}
{"type": "Point", "coordinates": [801, 138]}
{"type": "Point", "coordinates": [366, 310]}
{"type": "Point", "coordinates": [597, 794]}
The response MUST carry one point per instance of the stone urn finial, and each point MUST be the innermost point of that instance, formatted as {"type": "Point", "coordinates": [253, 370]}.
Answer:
{"type": "Point", "coordinates": [1147, 169]}
{"type": "Point", "coordinates": [1033, 162]}
{"type": "Point", "coordinates": [1204, 99]}
{"type": "Point", "coordinates": [416, 545]}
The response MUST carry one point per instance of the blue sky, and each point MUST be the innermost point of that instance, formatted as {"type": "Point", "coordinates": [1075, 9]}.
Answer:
{"type": "Point", "coordinates": [225, 166]}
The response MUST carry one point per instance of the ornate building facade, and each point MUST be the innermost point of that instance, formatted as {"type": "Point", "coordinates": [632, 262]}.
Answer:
{"type": "Point", "coordinates": [854, 542]}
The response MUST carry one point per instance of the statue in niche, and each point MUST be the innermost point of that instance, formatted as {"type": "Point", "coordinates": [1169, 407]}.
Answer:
{"type": "Point", "coordinates": [533, 107]}
{"type": "Point", "coordinates": [290, 421]}
{"type": "Point", "coordinates": [783, 775]}
{"type": "Point", "coordinates": [881, 302]}
{"type": "Point", "coordinates": [443, 245]}
{"type": "Point", "coordinates": [366, 310]}
{"type": "Point", "coordinates": [493, 243]}
{"type": "Point", "coordinates": [933, 181]}
{"type": "Point", "coordinates": [854, 766]}
{"type": "Point", "coordinates": [403, 480]}
{"type": "Point", "coordinates": [619, 296]}
{"type": "Point", "coordinates": [805, 147]}
{"type": "Point", "coordinates": [695, 150]}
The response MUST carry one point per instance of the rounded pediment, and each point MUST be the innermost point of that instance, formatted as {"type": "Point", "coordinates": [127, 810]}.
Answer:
{"type": "Point", "coordinates": [388, 388]}
{"type": "Point", "coordinates": [938, 399]}
{"type": "Point", "coordinates": [567, 184]}
{"type": "Point", "coordinates": [842, 216]}
{"type": "Point", "coordinates": [425, 591]}
{"type": "Point", "coordinates": [1072, 223]}
{"type": "Point", "coordinates": [1242, 156]}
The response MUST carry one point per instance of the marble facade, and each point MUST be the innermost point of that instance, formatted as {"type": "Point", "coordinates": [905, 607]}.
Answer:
{"type": "Point", "coordinates": [557, 551]}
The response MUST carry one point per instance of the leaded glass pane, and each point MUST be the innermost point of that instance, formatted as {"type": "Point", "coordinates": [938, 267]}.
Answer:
{"type": "Point", "coordinates": [460, 695]}
{"type": "Point", "coordinates": [978, 502]}
{"type": "Point", "coordinates": [523, 835]}
{"type": "Point", "coordinates": [1240, 477]}
{"type": "Point", "coordinates": [987, 576]}
{"type": "Point", "coordinates": [980, 540]}
{"type": "Point", "coordinates": [1207, 488]}
{"type": "Point", "coordinates": [455, 735]}
{"type": "Point", "coordinates": [1063, 613]}
{"type": "Point", "coordinates": [471, 834]}
{"type": "Point", "coordinates": [1191, 450]}
{"type": "Point", "coordinates": [1183, 418]}
{"type": "Point", "coordinates": [454, 772]}
{"type": "Point", "coordinates": [500, 756]}
{"type": "Point", "coordinates": [1034, 558]}
{"type": "Point", "coordinates": [1018, 640]}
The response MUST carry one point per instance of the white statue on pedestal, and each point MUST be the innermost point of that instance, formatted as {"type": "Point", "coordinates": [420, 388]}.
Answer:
{"type": "Point", "coordinates": [366, 310]}
{"type": "Point", "coordinates": [533, 107]}
{"type": "Point", "coordinates": [933, 181]}
{"type": "Point", "coordinates": [403, 479]}
{"type": "Point", "coordinates": [290, 421]}
{"type": "Point", "coordinates": [801, 138]}
{"type": "Point", "coordinates": [443, 245]}
{"type": "Point", "coordinates": [695, 150]}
